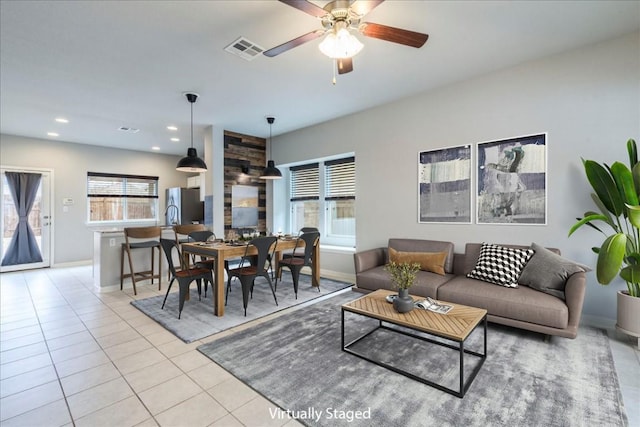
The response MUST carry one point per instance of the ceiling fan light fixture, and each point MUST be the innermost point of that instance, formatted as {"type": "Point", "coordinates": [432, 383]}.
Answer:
{"type": "Point", "coordinates": [340, 43]}
{"type": "Point", "coordinates": [191, 163]}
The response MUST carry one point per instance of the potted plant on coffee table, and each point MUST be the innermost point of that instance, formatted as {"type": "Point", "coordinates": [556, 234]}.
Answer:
{"type": "Point", "coordinates": [617, 197]}
{"type": "Point", "coordinates": [403, 276]}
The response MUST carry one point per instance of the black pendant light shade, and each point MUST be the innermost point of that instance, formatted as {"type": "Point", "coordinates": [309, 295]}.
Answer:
{"type": "Point", "coordinates": [271, 171]}
{"type": "Point", "coordinates": [191, 163]}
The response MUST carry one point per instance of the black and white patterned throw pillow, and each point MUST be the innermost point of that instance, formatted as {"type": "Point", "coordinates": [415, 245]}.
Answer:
{"type": "Point", "coordinates": [499, 265]}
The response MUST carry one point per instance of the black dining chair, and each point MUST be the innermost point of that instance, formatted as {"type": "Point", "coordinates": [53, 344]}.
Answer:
{"type": "Point", "coordinates": [204, 236]}
{"type": "Point", "coordinates": [295, 263]}
{"type": "Point", "coordinates": [247, 274]}
{"type": "Point", "coordinates": [300, 252]}
{"type": "Point", "coordinates": [184, 276]}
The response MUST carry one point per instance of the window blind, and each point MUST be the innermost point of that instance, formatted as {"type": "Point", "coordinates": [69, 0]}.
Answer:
{"type": "Point", "coordinates": [119, 185]}
{"type": "Point", "coordinates": [340, 179]}
{"type": "Point", "coordinates": [305, 182]}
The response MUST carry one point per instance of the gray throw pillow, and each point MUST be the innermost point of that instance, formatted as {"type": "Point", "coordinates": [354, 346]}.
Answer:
{"type": "Point", "coordinates": [548, 272]}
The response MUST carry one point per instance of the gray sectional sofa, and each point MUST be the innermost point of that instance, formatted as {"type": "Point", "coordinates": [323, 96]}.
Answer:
{"type": "Point", "coordinates": [524, 307]}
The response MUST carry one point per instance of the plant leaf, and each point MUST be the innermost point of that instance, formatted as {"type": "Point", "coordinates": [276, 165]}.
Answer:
{"type": "Point", "coordinates": [635, 172]}
{"type": "Point", "coordinates": [631, 273]}
{"type": "Point", "coordinates": [604, 186]}
{"type": "Point", "coordinates": [633, 153]}
{"type": "Point", "coordinates": [602, 208]}
{"type": "Point", "coordinates": [633, 258]}
{"type": "Point", "coordinates": [634, 215]}
{"type": "Point", "coordinates": [624, 182]}
{"type": "Point", "coordinates": [587, 220]}
{"type": "Point", "coordinates": [610, 258]}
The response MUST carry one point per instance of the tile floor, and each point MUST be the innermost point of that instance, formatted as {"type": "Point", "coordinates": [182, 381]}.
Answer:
{"type": "Point", "coordinates": [71, 356]}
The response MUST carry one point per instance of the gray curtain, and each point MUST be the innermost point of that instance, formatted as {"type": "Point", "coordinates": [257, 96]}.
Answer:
{"type": "Point", "coordinates": [23, 248]}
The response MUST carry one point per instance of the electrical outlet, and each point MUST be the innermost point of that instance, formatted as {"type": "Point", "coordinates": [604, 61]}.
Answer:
{"type": "Point", "coordinates": [112, 242]}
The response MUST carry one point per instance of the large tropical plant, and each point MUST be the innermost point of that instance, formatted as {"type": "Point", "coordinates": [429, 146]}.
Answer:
{"type": "Point", "coordinates": [617, 194]}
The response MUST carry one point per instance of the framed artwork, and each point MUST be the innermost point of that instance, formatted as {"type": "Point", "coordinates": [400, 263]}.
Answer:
{"type": "Point", "coordinates": [444, 185]}
{"type": "Point", "coordinates": [512, 181]}
{"type": "Point", "coordinates": [244, 206]}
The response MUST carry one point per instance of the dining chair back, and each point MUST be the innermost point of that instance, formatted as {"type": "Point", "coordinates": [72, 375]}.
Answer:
{"type": "Point", "coordinates": [295, 263]}
{"type": "Point", "coordinates": [139, 238]}
{"type": "Point", "coordinates": [299, 253]}
{"type": "Point", "coordinates": [204, 236]}
{"type": "Point", "coordinates": [183, 276]}
{"type": "Point", "coordinates": [265, 248]}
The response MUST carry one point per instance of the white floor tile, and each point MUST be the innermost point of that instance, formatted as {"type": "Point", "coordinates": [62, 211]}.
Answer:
{"type": "Point", "coordinates": [98, 397]}
{"type": "Point", "coordinates": [33, 398]}
{"type": "Point", "coordinates": [53, 414]}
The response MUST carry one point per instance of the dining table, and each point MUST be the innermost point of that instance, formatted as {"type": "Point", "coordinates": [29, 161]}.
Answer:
{"type": "Point", "coordinates": [221, 251]}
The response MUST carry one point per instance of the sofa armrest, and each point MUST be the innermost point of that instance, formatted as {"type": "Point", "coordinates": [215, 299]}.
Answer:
{"type": "Point", "coordinates": [366, 260]}
{"type": "Point", "coordinates": [574, 292]}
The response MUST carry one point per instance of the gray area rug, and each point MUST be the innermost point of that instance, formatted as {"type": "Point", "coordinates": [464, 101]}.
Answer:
{"type": "Point", "coordinates": [296, 362]}
{"type": "Point", "coordinates": [198, 321]}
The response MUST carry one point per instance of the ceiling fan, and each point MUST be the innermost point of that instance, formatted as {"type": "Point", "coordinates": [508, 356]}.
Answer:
{"type": "Point", "coordinates": [338, 18]}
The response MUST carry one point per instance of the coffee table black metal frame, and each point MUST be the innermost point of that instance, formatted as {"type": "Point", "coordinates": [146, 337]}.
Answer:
{"type": "Point", "coordinates": [464, 386]}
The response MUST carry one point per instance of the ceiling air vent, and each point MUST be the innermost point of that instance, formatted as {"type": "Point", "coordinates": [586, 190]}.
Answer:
{"type": "Point", "coordinates": [245, 49]}
{"type": "Point", "coordinates": [128, 129]}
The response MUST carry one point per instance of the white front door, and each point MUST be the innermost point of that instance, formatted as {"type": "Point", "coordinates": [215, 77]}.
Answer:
{"type": "Point", "coordinates": [39, 219]}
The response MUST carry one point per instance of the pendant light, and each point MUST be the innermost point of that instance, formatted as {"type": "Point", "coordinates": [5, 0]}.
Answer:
{"type": "Point", "coordinates": [271, 171]}
{"type": "Point", "coordinates": [191, 163]}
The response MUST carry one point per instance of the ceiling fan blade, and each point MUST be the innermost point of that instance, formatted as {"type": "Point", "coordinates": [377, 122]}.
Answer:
{"type": "Point", "coordinates": [345, 65]}
{"type": "Point", "coordinates": [306, 7]}
{"type": "Point", "coordinates": [392, 34]}
{"type": "Point", "coordinates": [362, 7]}
{"type": "Point", "coordinates": [293, 43]}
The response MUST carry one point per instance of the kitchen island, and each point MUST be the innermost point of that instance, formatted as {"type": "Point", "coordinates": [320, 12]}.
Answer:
{"type": "Point", "coordinates": [107, 246]}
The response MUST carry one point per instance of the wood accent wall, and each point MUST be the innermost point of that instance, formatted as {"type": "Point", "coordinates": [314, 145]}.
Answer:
{"type": "Point", "coordinates": [238, 149]}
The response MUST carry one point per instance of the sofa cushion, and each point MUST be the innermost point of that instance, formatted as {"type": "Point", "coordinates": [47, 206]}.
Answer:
{"type": "Point", "coordinates": [429, 261]}
{"type": "Point", "coordinates": [419, 245]}
{"type": "Point", "coordinates": [524, 303]}
{"type": "Point", "coordinates": [500, 265]}
{"type": "Point", "coordinates": [548, 272]}
{"type": "Point", "coordinates": [426, 284]}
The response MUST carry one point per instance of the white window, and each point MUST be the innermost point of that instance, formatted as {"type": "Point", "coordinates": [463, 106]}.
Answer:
{"type": "Point", "coordinates": [340, 199]}
{"type": "Point", "coordinates": [305, 196]}
{"type": "Point", "coordinates": [121, 198]}
{"type": "Point", "coordinates": [333, 214]}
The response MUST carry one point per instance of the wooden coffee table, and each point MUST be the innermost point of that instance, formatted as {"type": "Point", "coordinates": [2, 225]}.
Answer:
{"type": "Point", "coordinates": [455, 326]}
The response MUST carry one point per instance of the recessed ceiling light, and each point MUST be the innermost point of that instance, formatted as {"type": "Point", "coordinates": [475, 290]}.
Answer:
{"type": "Point", "coordinates": [172, 128]}
{"type": "Point", "coordinates": [155, 148]}
{"type": "Point", "coordinates": [175, 139]}
{"type": "Point", "coordinates": [52, 134]}
{"type": "Point", "coordinates": [61, 120]}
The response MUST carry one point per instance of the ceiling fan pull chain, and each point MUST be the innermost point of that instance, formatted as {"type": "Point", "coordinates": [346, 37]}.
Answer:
{"type": "Point", "coordinates": [334, 65]}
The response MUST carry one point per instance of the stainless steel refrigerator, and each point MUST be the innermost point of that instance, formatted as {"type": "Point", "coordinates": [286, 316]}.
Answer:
{"type": "Point", "coordinates": [183, 206]}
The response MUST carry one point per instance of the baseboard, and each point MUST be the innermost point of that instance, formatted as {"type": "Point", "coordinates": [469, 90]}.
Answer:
{"type": "Point", "coordinates": [102, 289]}
{"type": "Point", "coordinates": [338, 275]}
{"type": "Point", "coordinates": [72, 264]}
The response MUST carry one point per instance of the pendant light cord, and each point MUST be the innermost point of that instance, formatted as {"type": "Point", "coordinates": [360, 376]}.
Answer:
{"type": "Point", "coordinates": [270, 139]}
{"type": "Point", "coordinates": [191, 124]}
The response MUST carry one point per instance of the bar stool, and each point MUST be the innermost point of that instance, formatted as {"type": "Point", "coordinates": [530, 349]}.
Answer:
{"type": "Point", "coordinates": [133, 240]}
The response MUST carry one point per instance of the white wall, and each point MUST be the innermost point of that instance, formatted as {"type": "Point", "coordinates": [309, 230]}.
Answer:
{"type": "Point", "coordinates": [588, 100]}
{"type": "Point", "coordinates": [73, 239]}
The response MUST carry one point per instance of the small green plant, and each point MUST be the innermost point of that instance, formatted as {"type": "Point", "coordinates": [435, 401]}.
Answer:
{"type": "Point", "coordinates": [403, 274]}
